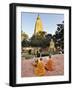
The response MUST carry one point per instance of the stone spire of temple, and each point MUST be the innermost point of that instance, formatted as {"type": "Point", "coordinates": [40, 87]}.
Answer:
{"type": "Point", "coordinates": [38, 25]}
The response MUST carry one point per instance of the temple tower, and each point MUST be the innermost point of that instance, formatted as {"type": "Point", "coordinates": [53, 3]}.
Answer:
{"type": "Point", "coordinates": [38, 25]}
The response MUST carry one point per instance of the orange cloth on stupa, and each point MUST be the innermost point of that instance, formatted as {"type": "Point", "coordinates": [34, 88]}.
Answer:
{"type": "Point", "coordinates": [40, 69]}
{"type": "Point", "coordinates": [50, 65]}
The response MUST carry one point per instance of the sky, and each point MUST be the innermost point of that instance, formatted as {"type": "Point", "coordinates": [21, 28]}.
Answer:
{"type": "Point", "coordinates": [49, 22]}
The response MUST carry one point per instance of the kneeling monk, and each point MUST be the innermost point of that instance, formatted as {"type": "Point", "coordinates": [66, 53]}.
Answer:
{"type": "Point", "coordinates": [50, 64]}
{"type": "Point", "coordinates": [40, 69]}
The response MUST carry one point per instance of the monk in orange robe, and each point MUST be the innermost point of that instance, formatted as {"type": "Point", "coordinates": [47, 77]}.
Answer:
{"type": "Point", "coordinates": [40, 69]}
{"type": "Point", "coordinates": [50, 65]}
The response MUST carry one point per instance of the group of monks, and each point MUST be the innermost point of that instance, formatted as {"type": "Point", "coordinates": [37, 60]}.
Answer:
{"type": "Point", "coordinates": [40, 68]}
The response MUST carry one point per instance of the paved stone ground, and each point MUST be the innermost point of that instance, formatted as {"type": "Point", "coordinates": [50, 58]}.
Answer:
{"type": "Point", "coordinates": [27, 69]}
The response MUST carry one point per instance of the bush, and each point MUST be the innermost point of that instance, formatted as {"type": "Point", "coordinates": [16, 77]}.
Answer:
{"type": "Point", "coordinates": [28, 56]}
{"type": "Point", "coordinates": [45, 54]}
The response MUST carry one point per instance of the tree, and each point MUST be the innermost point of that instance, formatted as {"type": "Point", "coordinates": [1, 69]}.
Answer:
{"type": "Point", "coordinates": [48, 36]}
{"type": "Point", "coordinates": [25, 43]}
{"type": "Point", "coordinates": [59, 35]}
{"type": "Point", "coordinates": [24, 36]}
{"type": "Point", "coordinates": [39, 40]}
{"type": "Point", "coordinates": [36, 41]}
{"type": "Point", "coordinates": [41, 33]}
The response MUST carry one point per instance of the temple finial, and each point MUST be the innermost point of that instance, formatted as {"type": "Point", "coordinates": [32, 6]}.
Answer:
{"type": "Point", "coordinates": [38, 17]}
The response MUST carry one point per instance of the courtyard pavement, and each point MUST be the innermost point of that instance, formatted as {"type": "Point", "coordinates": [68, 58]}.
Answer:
{"type": "Point", "coordinates": [27, 69]}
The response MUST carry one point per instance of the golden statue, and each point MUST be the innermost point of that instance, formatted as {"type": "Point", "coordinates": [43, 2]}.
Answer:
{"type": "Point", "coordinates": [38, 25]}
{"type": "Point", "coordinates": [52, 46]}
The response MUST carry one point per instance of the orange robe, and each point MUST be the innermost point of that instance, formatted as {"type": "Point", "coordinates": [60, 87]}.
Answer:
{"type": "Point", "coordinates": [50, 65]}
{"type": "Point", "coordinates": [40, 69]}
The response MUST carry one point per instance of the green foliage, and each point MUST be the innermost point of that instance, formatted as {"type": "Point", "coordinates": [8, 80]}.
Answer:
{"type": "Point", "coordinates": [27, 55]}
{"type": "Point", "coordinates": [25, 43]}
{"type": "Point", "coordinates": [39, 40]}
{"type": "Point", "coordinates": [59, 36]}
{"type": "Point", "coordinates": [24, 36]}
